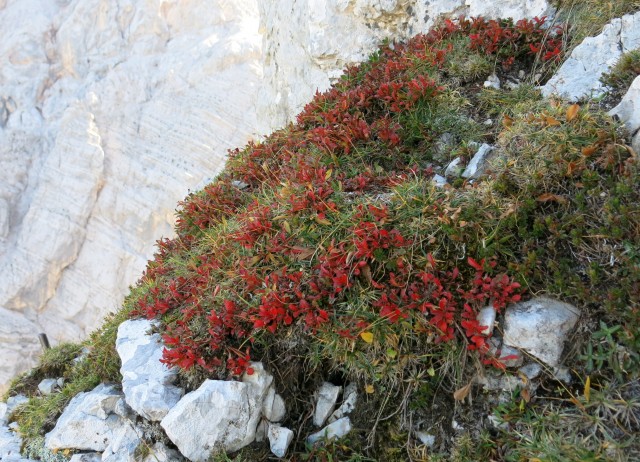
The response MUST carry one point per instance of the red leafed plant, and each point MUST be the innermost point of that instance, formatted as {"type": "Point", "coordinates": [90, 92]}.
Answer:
{"type": "Point", "coordinates": [298, 237]}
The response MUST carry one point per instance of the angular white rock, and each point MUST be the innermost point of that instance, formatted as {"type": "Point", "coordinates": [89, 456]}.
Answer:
{"type": "Point", "coordinates": [161, 453]}
{"type": "Point", "coordinates": [327, 396]}
{"type": "Point", "coordinates": [47, 386]}
{"type": "Point", "coordinates": [439, 181]}
{"type": "Point", "coordinates": [146, 382]}
{"type": "Point", "coordinates": [531, 370]}
{"type": "Point", "coordinates": [454, 168]}
{"type": "Point", "coordinates": [218, 416]}
{"type": "Point", "coordinates": [540, 327]}
{"type": "Point", "coordinates": [7, 408]}
{"type": "Point", "coordinates": [629, 108]}
{"type": "Point", "coordinates": [476, 165]}
{"type": "Point", "coordinates": [88, 422]}
{"type": "Point", "coordinates": [492, 82]}
{"type": "Point", "coordinates": [10, 444]}
{"type": "Point", "coordinates": [579, 75]}
{"type": "Point", "coordinates": [426, 438]}
{"type": "Point", "coordinates": [273, 408]}
{"type": "Point", "coordinates": [487, 317]}
{"type": "Point", "coordinates": [348, 403]}
{"type": "Point", "coordinates": [123, 444]}
{"type": "Point", "coordinates": [335, 430]}
{"type": "Point", "coordinates": [279, 439]}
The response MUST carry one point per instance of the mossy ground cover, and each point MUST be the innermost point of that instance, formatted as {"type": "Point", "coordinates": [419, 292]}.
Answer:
{"type": "Point", "coordinates": [327, 251]}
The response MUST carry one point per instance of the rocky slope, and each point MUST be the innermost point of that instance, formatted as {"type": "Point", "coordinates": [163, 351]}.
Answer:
{"type": "Point", "coordinates": [399, 290]}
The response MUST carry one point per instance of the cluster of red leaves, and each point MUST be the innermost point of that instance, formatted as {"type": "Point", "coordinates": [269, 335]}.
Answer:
{"type": "Point", "coordinates": [509, 41]}
{"type": "Point", "coordinates": [263, 278]}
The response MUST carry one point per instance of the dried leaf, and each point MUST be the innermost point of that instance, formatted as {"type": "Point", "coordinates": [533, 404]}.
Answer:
{"type": "Point", "coordinates": [551, 121]}
{"type": "Point", "coordinates": [589, 150]}
{"type": "Point", "coordinates": [462, 223]}
{"type": "Point", "coordinates": [548, 197]}
{"type": "Point", "coordinates": [572, 112]}
{"type": "Point", "coordinates": [328, 174]}
{"type": "Point", "coordinates": [507, 121]}
{"type": "Point", "coordinates": [322, 221]}
{"type": "Point", "coordinates": [366, 272]}
{"type": "Point", "coordinates": [287, 226]}
{"type": "Point", "coordinates": [302, 253]}
{"type": "Point", "coordinates": [571, 167]}
{"type": "Point", "coordinates": [369, 389]}
{"type": "Point", "coordinates": [526, 395]}
{"type": "Point", "coordinates": [461, 393]}
{"type": "Point", "coordinates": [587, 389]}
{"type": "Point", "coordinates": [367, 337]}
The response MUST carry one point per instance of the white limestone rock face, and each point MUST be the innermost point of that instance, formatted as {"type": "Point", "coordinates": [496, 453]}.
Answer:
{"type": "Point", "coordinates": [88, 422]}
{"type": "Point", "coordinates": [540, 327]}
{"type": "Point", "coordinates": [18, 343]}
{"type": "Point", "coordinates": [327, 396]}
{"type": "Point", "coordinates": [218, 416]}
{"type": "Point", "coordinates": [112, 110]}
{"type": "Point", "coordinates": [579, 76]}
{"type": "Point", "coordinates": [146, 382]}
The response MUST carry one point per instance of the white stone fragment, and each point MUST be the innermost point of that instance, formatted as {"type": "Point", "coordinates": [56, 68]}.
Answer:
{"type": "Point", "coordinates": [579, 76]}
{"type": "Point", "coordinates": [498, 423]}
{"type": "Point", "coordinates": [261, 430]}
{"type": "Point", "coordinates": [492, 82]}
{"type": "Point", "coordinates": [239, 184]}
{"type": "Point", "coordinates": [47, 386]}
{"type": "Point", "coordinates": [122, 446]}
{"type": "Point", "coordinates": [146, 382]}
{"type": "Point", "coordinates": [348, 403]}
{"type": "Point", "coordinates": [327, 396]}
{"type": "Point", "coordinates": [426, 438]}
{"type": "Point", "coordinates": [335, 430]}
{"type": "Point", "coordinates": [476, 166]}
{"type": "Point", "coordinates": [161, 453]}
{"type": "Point", "coordinates": [487, 317]}
{"type": "Point", "coordinates": [454, 169]}
{"type": "Point", "coordinates": [220, 415]}
{"type": "Point", "coordinates": [88, 421]}
{"type": "Point", "coordinates": [439, 181]}
{"type": "Point", "coordinates": [7, 408]}
{"type": "Point", "coordinates": [540, 326]}
{"type": "Point", "coordinates": [273, 408]}
{"type": "Point", "coordinates": [86, 457]}
{"type": "Point", "coordinates": [562, 374]}
{"type": "Point", "coordinates": [279, 439]}
{"type": "Point", "coordinates": [531, 370]}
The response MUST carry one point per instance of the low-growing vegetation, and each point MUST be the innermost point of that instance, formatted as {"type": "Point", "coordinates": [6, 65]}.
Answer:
{"type": "Point", "coordinates": [327, 251]}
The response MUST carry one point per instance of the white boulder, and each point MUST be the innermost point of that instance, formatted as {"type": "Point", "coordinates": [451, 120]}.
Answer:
{"type": "Point", "coordinates": [88, 422]}
{"type": "Point", "coordinates": [123, 444]}
{"type": "Point", "coordinates": [579, 76]}
{"type": "Point", "coordinates": [273, 408]}
{"type": "Point", "coordinates": [218, 416]}
{"type": "Point", "coordinates": [540, 326]}
{"type": "Point", "coordinates": [10, 444]}
{"type": "Point", "coordinates": [146, 382]}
